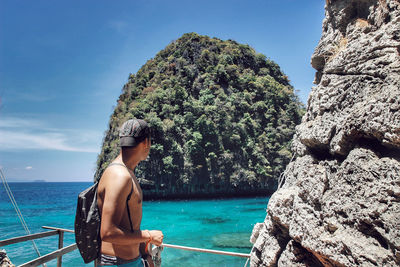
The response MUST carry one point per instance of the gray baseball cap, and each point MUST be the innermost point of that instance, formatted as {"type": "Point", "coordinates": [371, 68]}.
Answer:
{"type": "Point", "coordinates": [132, 132]}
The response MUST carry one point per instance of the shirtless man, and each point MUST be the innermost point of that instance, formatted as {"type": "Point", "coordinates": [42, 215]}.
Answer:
{"type": "Point", "coordinates": [123, 242]}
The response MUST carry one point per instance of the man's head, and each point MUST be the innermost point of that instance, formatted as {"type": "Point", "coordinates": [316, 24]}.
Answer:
{"type": "Point", "coordinates": [134, 133]}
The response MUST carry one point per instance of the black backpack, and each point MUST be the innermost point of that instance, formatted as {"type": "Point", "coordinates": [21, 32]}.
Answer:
{"type": "Point", "coordinates": [88, 220]}
{"type": "Point", "coordinates": [87, 224]}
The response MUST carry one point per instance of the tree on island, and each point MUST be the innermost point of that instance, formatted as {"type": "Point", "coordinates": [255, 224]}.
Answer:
{"type": "Point", "coordinates": [222, 117]}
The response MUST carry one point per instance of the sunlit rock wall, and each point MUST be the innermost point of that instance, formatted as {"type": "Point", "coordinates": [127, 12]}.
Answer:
{"type": "Point", "coordinates": [339, 204]}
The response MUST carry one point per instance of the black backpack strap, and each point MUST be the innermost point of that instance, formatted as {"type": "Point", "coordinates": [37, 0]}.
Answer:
{"type": "Point", "coordinates": [116, 163]}
{"type": "Point", "coordinates": [127, 208]}
{"type": "Point", "coordinates": [129, 196]}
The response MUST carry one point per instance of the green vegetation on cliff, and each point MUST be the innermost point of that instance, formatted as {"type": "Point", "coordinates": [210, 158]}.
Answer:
{"type": "Point", "coordinates": [222, 118]}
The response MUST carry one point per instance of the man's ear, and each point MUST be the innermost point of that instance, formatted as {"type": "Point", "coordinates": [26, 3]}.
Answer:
{"type": "Point", "coordinates": [145, 143]}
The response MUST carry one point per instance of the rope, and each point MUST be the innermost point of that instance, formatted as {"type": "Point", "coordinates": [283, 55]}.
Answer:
{"type": "Point", "coordinates": [282, 177]}
{"type": "Point", "coordinates": [18, 211]}
{"type": "Point", "coordinates": [245, 265]}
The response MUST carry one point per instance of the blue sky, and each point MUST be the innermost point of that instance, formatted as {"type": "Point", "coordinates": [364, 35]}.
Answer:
{"type": "Point", "coordinates": [63, 64]}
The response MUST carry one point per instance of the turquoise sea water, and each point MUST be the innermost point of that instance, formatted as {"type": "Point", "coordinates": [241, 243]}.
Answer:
{"type": "Point", "coordinates": [221, 224]}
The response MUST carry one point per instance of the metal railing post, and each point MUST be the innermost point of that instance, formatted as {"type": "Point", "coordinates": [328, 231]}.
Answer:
{"type": "Point", "coordinates": [60, 246]}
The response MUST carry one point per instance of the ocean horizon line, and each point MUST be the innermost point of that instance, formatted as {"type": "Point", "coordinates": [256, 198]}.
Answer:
{"type": "Point", "coordinates": [45, 181]}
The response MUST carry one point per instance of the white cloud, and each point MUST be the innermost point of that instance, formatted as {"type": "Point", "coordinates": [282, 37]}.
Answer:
{"type": "Point", "coordinates": [15, 122]}
{"type": "Point", "coordinates": [35, 97]}
{"type": "Point", "coordinates": [27, 94]}
{"type": "Point", "coordinates": [26, 134]}
{"type": "Point", "coordinates": [28, 168]}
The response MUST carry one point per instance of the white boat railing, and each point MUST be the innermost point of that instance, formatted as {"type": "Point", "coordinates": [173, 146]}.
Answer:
{"type": "Point", "coordinates": [156, 251]}
{"type": "Point", "coordinates": [57, 254]}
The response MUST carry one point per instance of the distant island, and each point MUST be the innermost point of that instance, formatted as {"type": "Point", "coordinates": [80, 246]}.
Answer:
{"type": "Point", "coordinates": [222, 117]}
{"type": "Point", "coordinates": [39, 181]}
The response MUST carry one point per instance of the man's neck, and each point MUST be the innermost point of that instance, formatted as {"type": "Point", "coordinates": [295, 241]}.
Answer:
{"type": "Point", "coordinates": [130, 161]}
{"type": "Point", "coordinates": [130, 164]}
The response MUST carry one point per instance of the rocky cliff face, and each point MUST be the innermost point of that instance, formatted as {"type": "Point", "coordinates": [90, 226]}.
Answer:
{"type": "Point", "coordinates": [339, 201]}
{"type": "Point", "coordinates": [4, 260]}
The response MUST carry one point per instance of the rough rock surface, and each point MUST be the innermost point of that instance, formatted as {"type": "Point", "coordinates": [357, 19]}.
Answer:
{"type": "Point", "coordinates": [4, 260]}
{"type": "Point", "coordinates": [339, 204]}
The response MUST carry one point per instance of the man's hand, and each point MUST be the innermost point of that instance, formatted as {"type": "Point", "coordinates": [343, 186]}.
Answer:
{"type": "Point", "coordinates": [156, 237]}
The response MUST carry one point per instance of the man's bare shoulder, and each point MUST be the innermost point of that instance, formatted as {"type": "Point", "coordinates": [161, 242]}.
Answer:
{"type": "Point", "coordinates": [116, 176]}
